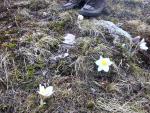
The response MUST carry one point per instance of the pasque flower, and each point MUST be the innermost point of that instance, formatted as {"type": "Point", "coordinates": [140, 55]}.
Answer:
{"type": "Point", "coordinates": [103, 64]}
{"type": "Point", "coordinates": [46, 92]}
{"type": "Point", "coordinates": [143, 45]}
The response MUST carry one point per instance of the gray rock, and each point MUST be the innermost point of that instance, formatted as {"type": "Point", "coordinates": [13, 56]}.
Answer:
{"type": "Point", "coordinates": [104, 27]}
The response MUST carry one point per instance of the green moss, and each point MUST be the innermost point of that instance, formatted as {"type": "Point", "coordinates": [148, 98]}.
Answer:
{"type": "Point", "coordinates": [17, 76]}
{"type": "Point", "coordinates": [2, 38]}
{"type": "Point", "coordinates": [40, 64]}
{"type": "Point", "coordinates": [26, 82]}
{"type": "Point", "coordinates": [86, 44]}
{"type": "Point", "coordinates": [19, 18]}
{"type": "Point", "coordinates": [34, 83]}
{"type": "Point", "coordinates": [114, 20]}
{"type": "Point", "coordinates": [29, 39]}
{"type": "Point", "coordinates": [90, 105]}
{"type": "Point", "coordinates": [9, 45]}
{"type": "Point", "coordinates": [10, 31]}
{"type": "Point", "coordinates": [98, 48]}
{"type": "Point", "coordinates": [36, 5]}
{"type": "Point", "coordinates": [57, 26]}
{"type": "Point", "coordinates": [103, 50]}
{"type": "Point", "coordinates": [49, 43]}
{"type": "Point", "coordinates": [30, 71]}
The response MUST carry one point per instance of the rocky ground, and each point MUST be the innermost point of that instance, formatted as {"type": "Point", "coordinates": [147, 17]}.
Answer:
{"type": "Point", "coordinates": [32, 53]}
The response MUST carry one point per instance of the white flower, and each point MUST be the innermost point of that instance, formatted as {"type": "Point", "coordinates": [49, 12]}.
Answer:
{"type": "Point", "coordinates": [103, 64]}
{"type": "Point", "coordinates": [46, 92]}
{"type": "Point", "coordinates": [143, 45]}
{"type": "Point", "coordinates": [80, 17]}
{"type": "Point", "coordinates": [69, 39]}
{"type": "Point", "coordinates": [66, 54]}
{"type": "Point", "coordinates": [44, 13]}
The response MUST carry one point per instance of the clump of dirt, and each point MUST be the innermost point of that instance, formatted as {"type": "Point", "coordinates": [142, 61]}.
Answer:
{"type": "Point", "coordinates": [32, 52]}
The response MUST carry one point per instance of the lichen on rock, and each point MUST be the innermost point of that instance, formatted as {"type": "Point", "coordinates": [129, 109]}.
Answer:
{"type": "Point", "coordinates": [106, 28]}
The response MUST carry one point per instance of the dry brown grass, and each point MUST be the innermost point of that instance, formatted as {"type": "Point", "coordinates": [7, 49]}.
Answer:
{"type": "Point", "coordinates": [30, 42]}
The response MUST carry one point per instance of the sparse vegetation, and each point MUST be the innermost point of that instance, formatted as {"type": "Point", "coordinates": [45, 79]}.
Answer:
{"type": "Point", "coordinates": [32, 52]}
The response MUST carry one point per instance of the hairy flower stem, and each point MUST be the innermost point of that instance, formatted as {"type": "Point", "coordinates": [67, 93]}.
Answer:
{"type": "Point", "coordinates": [42, 102]}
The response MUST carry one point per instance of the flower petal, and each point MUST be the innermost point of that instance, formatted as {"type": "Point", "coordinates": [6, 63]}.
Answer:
{"type": "Point", "coordinates": [101, 57]}
{"type": "Point", "coordinates": [98, 62]}
{"type": "Point", "coordinates": [49, 89]}
{"type": "Point", "coordinates": [41, 88]}
{"type": "Point", "coordinates": [41, 93]}
{"type": "Point", "coordinates": [108, 61]}
{"type": "Point", "coordinates": [106, 69]}
{"type": "Point", "coordinates": [99, 68]}
{"type": "Point", "coordinates": [143, 46]}
{"type": "Point", "coordinates": [48, 94]}
{"type": "Point", "coordinates": [142, 41]}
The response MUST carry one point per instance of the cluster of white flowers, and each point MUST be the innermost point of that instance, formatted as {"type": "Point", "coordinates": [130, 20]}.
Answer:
{"type": "Point", "coordinates": [45, 92]}
{"type": "Point", "coordinates": [102, 63]}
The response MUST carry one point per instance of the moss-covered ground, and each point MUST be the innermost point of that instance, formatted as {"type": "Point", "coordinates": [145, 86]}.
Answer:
{"type": "Point", "coordinates": [31, 42]}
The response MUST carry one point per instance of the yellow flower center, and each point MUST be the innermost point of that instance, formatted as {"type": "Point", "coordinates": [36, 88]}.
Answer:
{"type": "Point", "coordinates": [104, 62]}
